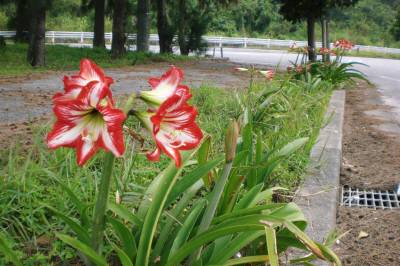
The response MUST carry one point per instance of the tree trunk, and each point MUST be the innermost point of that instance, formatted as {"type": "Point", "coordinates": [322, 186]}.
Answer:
{"type": "Point", "coordinates": [118, 32]}
{"type": "Point", "coordinates": [165, 31]}
{"type": "Point", "coordinates": [143, 25]}
{"type": "Point", "coordinates": [182, 34]}
{"type": "Point", "coordinates": [311, 38]}
{"type": "Point", "coordinates": [22, 21]}
{"type": "Point", "coordinates": [36, 51]}
{"type": "Point", "coordinates": [325, 38]}
{"type": "Point", "coordinates": [99, 13]}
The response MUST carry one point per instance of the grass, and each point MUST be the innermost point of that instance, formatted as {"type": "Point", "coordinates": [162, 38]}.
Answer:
{"type": "Point", "coordinates": [31, 177]}
{"type": "Point", "coordinates": [58, 57]}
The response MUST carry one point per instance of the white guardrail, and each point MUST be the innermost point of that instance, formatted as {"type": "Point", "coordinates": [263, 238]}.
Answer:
{"type": "Point", "coordinates": [216, 41]}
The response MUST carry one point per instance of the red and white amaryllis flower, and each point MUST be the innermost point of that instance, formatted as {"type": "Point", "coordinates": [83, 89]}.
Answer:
{"type": "Point", "coordinates": [89, 73]}
{"type": "Point", "coordinates": [269, 74]}
{"type": "Point", "coordinates": [344, 44]}
{"type": "Point", "coordinates": [170, 119]}
{"type": "Point", "coordinates": [165, 87]}
{"type": "Point", "coordinates": [87, 121]}
{"type": "Point", "coordinates": [241, 69]}
{"type": "Point", "coordinates": [173, 128]}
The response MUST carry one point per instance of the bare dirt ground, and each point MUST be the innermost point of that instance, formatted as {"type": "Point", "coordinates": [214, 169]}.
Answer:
{"type": "Point", "coordinates": [371, 160]}
{"type": "Point", "coordinates": [26, 101]}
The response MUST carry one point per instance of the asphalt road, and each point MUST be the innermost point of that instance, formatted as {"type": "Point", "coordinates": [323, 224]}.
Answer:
{"type": "Point", "coordinates": [384, 73]}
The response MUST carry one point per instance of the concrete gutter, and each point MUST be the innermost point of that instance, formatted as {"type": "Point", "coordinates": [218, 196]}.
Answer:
{"type": "Point", "coordinates": [318, 195]}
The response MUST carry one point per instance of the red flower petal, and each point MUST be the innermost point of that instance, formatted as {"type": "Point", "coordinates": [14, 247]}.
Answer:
{"type": "Point", "coordinates": [84, 151]}
{"type": "Point", "coordinates": [113, 141]}
{"type": "Point", "coordinates": [174, 128]}
{"type": "Point", "coordinates": [63, 135]}
{"type": "Point", "coordinates": [170, 78]}
{"type": "Point", "coordinates": [90, 71]}
{"type": "Point", "coordinates": [154, 156]}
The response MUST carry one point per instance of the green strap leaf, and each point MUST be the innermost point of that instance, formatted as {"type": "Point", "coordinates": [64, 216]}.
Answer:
{"type": "Point", "coordinates": [167, 229]}
{"type": "Point", "coordinates": [187, 227]}
{"type": "Point", "coordinates": [210, 211]}
{"type": "Point", "coordinates": [166, 183]}
{"type": "Point", "coordinates": [124, 213]}
{"type": "Point", "coordinates": [247, 260]}
{"type": "Point", "coordinates": [209, 236]}
{"type": "Point", "coordinates": [85, 249]}
{"type": "Point", "coordinates": [202, 158]}
{"type": "Point", "coordinates": [123, 257]}
{"type": "Point", "coordinates": [189, 179]}
{"type": "Point", "coordinates": [270, 235]}
{"type": "Point", "coordinates": [248, 197]}
{"type": "Point", "coordinates": [291, 147]}
{"type": "Point", "coordinates": [247, 211]}
{"type": "Point", "coordinates": [125, 236]}
{"type": "Point", "coordinates": [233, 246]}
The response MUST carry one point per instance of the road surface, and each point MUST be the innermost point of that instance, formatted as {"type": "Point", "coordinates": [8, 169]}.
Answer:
{"type": "Point", "coordinates": [384, 73]}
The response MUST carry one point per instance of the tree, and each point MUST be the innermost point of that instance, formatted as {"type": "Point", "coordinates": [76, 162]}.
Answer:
{"type": "Point", "coordinates": [21, 21]}
{"type": "Point", "coordinates": [193, 19]}
{"type": "Point", "coordinates": [311, 11]}
{"type": "Point", "coordinates": [99, 14]}
{"type": "Point", "coordinates": [395, 30]}
{"type": "Point", "coordinates": [118, 28]}
{"type": "Point", "coordinates": [37, 33]}
{"type": "Point", "coordinates": [143, 25]}
{"type": "Point", "coordinates": [165, 28]}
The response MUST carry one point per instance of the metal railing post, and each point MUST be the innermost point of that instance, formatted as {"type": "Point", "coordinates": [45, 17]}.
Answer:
{"type": "Point", "coordinates": [81, 37]}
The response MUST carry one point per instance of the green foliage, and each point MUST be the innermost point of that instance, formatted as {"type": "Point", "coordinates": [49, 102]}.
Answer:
{"type": "Point", "coordinates": [298, 10]}
{"type": "Point", "coordinates": [33, 180]}
{"type": "Point", "coordinates": [6, 250]}
{"type": "Point", "coordinates": [369, 22]}
{"type": "Point", "coordinates": [338, 73]}
{"type": "Point", "coordinates": [395, 30]}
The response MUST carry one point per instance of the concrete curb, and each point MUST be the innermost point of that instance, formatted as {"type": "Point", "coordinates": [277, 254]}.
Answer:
{"type": "Point", "coordinates": [318, 195]}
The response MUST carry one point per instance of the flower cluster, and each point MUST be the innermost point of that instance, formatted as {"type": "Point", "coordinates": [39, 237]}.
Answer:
{"type": "Point", "coordinates": [170, 119]}
{"type": "Point", "coordinates": [326, 51]}
{"type": "Point", "coordinates": [299, 68]}
{"type": "Point", "coordinates": [88, 120]}
{"type": "Point", "coordinates": [343, 44]}
{"type": "Point", "coordinates": [86, 117]}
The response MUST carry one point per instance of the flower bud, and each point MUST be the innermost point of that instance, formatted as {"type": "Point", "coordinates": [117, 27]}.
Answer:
{"type": "Point", "coordinates": [231, 137]}
{"type": "Point", "coordinates": [241, 69]}
{"type": "Point", "coordinates": [118, 198]}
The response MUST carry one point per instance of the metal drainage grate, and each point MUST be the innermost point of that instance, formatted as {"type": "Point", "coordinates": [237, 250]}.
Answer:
{"type": "Point", "coordinates": [370, 199]}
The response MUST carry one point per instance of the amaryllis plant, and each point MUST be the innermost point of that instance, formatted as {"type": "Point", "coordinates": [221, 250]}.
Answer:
{"type": "Point", "coordinates": [87, 120]}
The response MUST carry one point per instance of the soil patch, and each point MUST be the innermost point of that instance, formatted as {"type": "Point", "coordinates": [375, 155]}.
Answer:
{"type": "Point", "coordinates": [371, 160]}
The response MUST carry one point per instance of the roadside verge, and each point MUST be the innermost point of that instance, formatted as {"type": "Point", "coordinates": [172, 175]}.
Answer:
{"type": "Point", "coordinates": [318, 195]}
